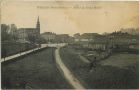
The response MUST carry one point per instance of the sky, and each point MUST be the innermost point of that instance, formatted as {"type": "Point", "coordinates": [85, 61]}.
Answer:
{"type": "Point", "coordinates": [71, 17]}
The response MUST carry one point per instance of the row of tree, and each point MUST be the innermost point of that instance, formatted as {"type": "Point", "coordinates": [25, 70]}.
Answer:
{"type": "Point", "coordinates": [7, 32]}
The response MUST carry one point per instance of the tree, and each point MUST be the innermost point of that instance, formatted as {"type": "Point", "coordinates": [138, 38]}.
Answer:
{"type": "Point", "coordinates": [31, 38]}
{"type": "Point", "coordinates": [41, 40]}
{"type": "Point", "coordinates": [5, 36]}
{"type": "Point", "coordinates": [13, 30]}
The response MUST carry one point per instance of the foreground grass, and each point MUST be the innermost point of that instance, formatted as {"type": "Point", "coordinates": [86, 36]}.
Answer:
{"type": "Point", "coordinates": [37, 71]}
{"type": "Point", "coordinates": [105, 76]}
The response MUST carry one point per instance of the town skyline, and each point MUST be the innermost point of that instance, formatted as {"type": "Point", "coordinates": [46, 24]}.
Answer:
{"type": "Point", "coordinates": [71, 21]}
{"type": "Point", "coordinates": [69, 44]}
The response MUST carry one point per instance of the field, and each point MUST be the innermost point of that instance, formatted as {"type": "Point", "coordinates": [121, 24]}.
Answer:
{"type": "Point", "coordinates": [105, 75]}
{"type": "Point", "coordinates": [121, 60]}
{"type": "Point", "coordinates": [37, 71]}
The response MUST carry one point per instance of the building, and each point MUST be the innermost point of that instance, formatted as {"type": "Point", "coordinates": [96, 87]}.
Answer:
{"type": "Point", "coordinates": [62, 38]}
{"type": "Point", "coordinates": [49, 36]}
{"type": "Point", "coordinates": [93, 41]}
{"type": "Point", "coordinates": [99, 42]}
{"type": "Point", "coordinates": [76, 37]}
{"type": "Point", "coordinates": [123, 41]}
{"type": "Point", "coordinates": [132, 31]}
{"type": "Point", "coordinates": [29, 34]}
{"type": "Point", "coordinates": [120, 38]}
{"type": "Point", "coordinates": [57, 38]}
{"type": "Point", "coordinates": [115, 40]}
{"type": "Point", "coordinates": [86, 37]}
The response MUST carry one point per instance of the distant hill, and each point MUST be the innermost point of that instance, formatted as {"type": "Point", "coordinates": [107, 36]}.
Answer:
{"type": "Point", "coordinates": [132, 31]}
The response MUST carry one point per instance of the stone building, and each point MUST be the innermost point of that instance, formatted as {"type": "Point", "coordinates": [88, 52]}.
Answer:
{"type": "Point", "coordinates": [29, 34]}
{"type": "Point", "coordinates": [63, 38]}
{"type": "Point", "coordinates": [93, 41]}
{"type": "Point", "coordinates": [49, 36]}
{"type": "Point", "coordinates": [120, 40]}
{"type": "Point", "coordinates": [99, 42]}
{"type": "Point", "coordinates": [86, 37]}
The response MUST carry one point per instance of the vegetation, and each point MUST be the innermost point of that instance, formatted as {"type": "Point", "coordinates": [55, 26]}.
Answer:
{"type": "Point", "coordinates": [36, 71]}
{"type": "Point", "coordinates": [103, 76]}
{"type": "Point", "coordinates": [121, 60]}
{"type": "Point", "coordinates": [10, 44]}
{"type": "Point", "coordinates": [10, 48]}
{"type": "Point", "coordinates": [5, 35]}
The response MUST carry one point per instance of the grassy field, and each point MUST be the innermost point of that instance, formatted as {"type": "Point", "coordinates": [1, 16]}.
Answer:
{"type": "Point", "coordinates": [121, 60]}
{"type": "Point", "coordinates": [37, 71]}
{"type": "Point", "coordinates": [104, 76]}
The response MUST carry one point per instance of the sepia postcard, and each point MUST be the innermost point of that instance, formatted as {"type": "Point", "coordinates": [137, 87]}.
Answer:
{"type": "Point", "coordinates": [69, 44]}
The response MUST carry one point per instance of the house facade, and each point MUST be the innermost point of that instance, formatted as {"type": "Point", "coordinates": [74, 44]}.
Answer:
{"type": "Point", "coordinates": [28, 34]}
{"type": "Point", "coordinates": [93, 41]}
{"type": "Point", "coordinates": [64, 38]}
{"type": "Point", "coordinates": [49, 36]}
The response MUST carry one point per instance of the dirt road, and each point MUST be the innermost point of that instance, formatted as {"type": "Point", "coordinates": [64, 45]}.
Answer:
{"type": "Point", "coordinates": [67, 73]}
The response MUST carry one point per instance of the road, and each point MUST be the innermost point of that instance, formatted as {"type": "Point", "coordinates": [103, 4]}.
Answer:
{"type": "Point", "coordinates": [67, 73]}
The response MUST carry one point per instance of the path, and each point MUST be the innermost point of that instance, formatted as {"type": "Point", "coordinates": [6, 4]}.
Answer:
{"type": "Point", "coordinates": [20, 54]}
{"type": "Point", "coordinates": [29, 51]}
{"type": "Point", "coordinates": [84, 59]}
{"type": "Point", "coordinates": [67, 73]}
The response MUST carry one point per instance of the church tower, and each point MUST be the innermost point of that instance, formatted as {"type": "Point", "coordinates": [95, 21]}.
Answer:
{"type": "Point", "coordinates": [38, 26]}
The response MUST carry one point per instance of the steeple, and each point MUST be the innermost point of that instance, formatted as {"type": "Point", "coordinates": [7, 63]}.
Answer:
{"type": "Point", "coordinates": [38, 26]}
